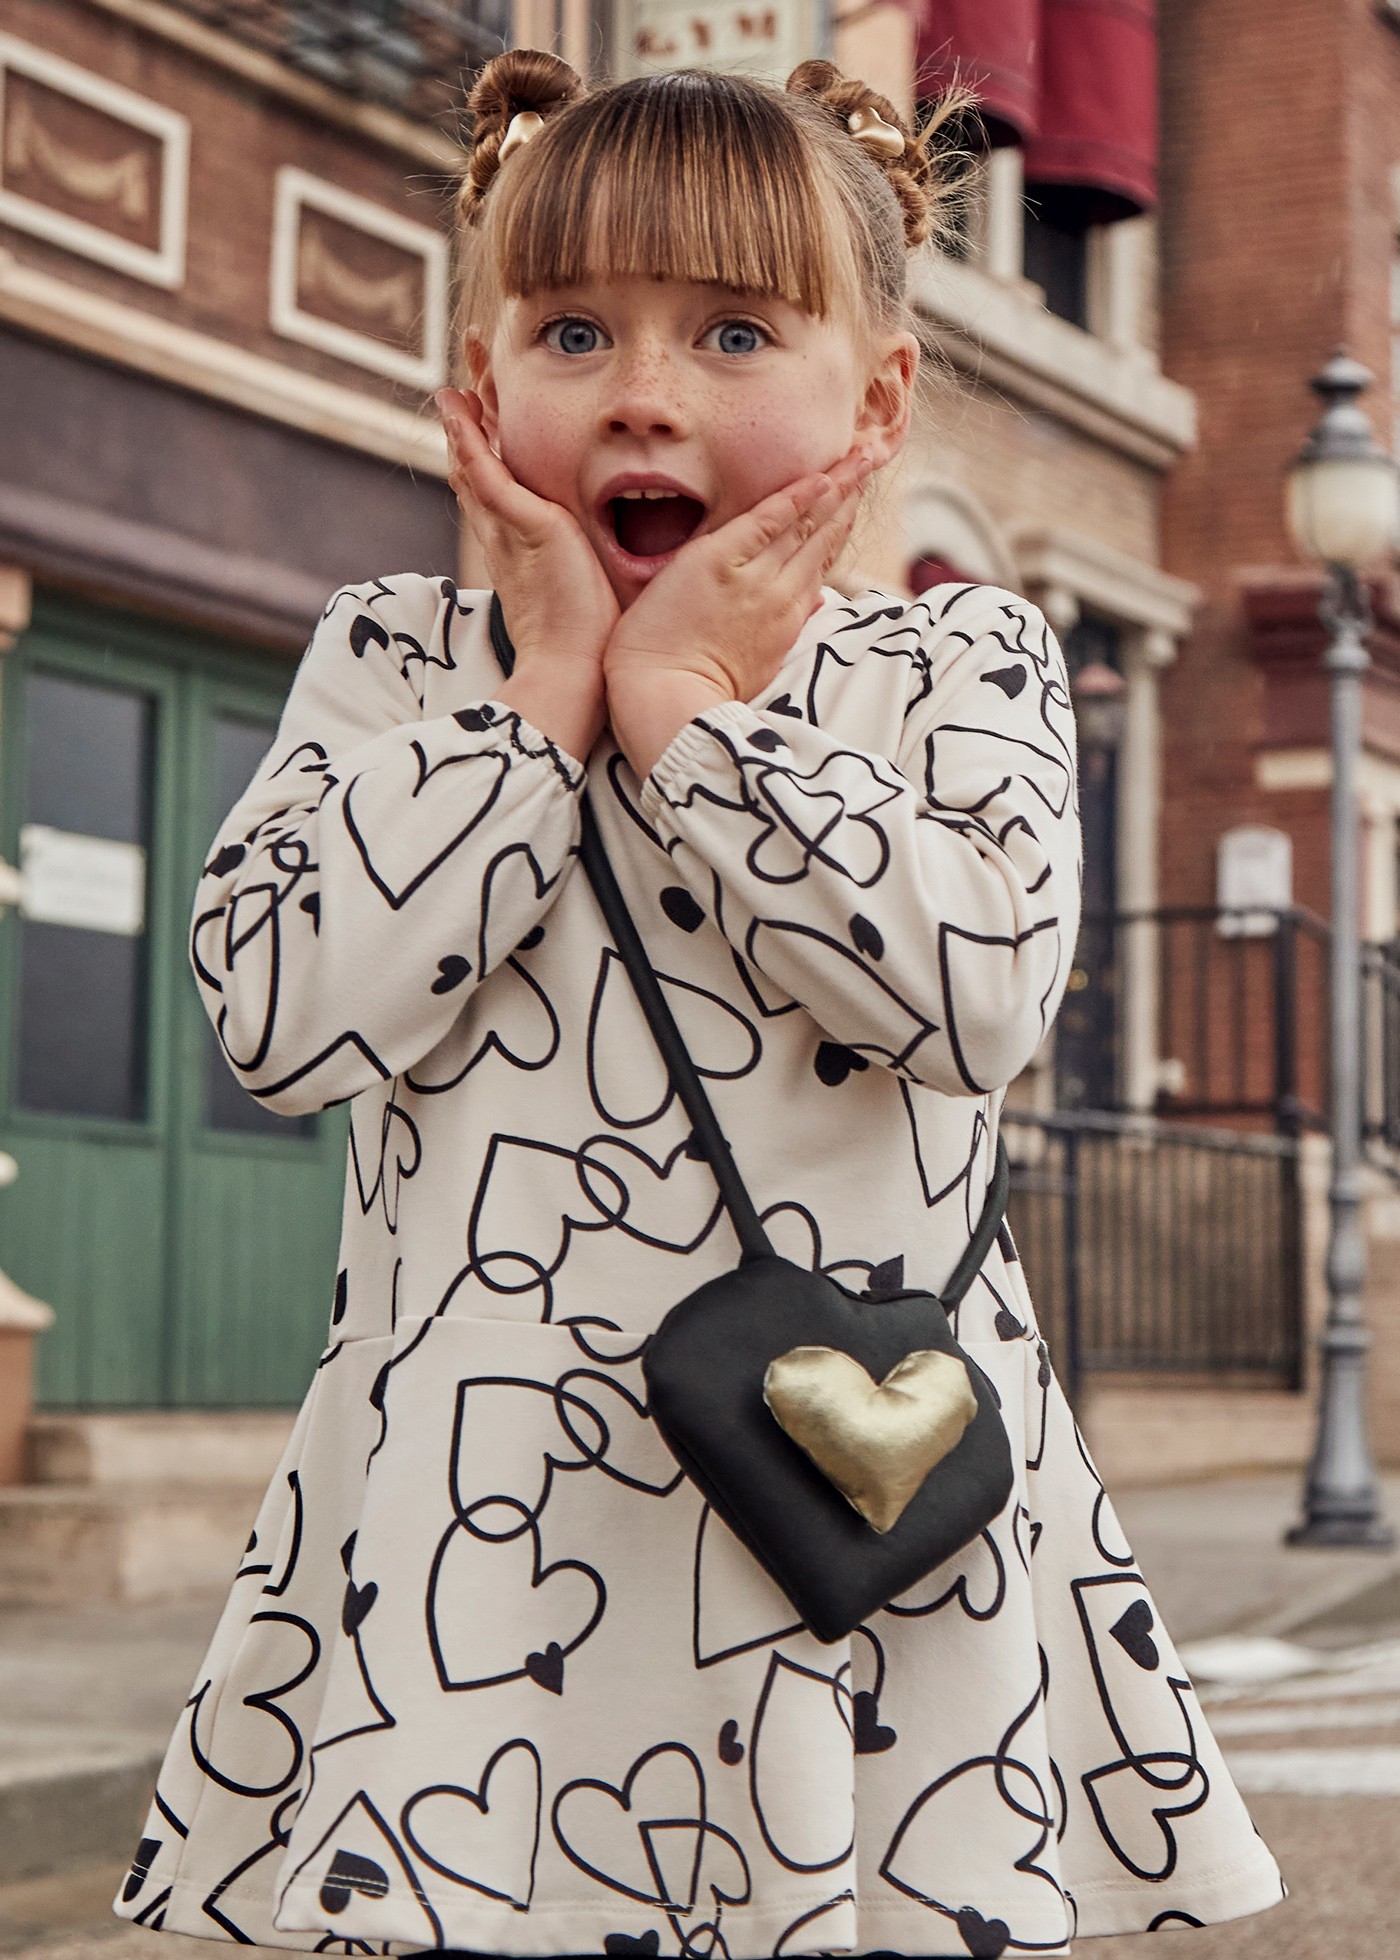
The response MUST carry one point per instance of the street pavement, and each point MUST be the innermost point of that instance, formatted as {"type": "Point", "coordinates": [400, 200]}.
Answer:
{"type": "Point", "coordinates": [1296, 1655]}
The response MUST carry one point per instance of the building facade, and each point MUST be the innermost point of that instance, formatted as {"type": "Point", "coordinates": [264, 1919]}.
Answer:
{"type": "Point", "coordinates": [224, 302]}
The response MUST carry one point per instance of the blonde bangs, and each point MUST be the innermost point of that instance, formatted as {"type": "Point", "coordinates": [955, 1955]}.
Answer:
{"type": "Point", "coordinates": [673, 178]}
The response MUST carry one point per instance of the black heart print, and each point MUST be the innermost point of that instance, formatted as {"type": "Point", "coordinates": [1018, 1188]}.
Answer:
{"type": "Point", "coordinates": [358, 1600]}
{"type": "Point", "coordinates": [866, 937]}
{"type": "Point", "coordinates": [626, 1943]}
{"type": "Point", "coordinates": [348, 1873]}
{"type": "Point", "coordinates": [146, 1852]}
{"type": "Point", "coordinates": [1009, 679]}
{"type": "Point", "coordinates": [681, 908]}
{"type": "Point", "coordinates": [986, 1938]}
{"type": "Point", "coordinates": [452, 971]}
{"type": "Point", "coordinates": [547, 1668]}
{"type": "Point", "coordinates": [835, 1062]}
{"type": "Point", "coordinates": [731, 1750]}
{"type": "Point", "coordinates": [767, 739]}
{"type": "Point", "coordinates": [872, 1737]}
{"type": "Point", "coordinates": [1133, 1632]}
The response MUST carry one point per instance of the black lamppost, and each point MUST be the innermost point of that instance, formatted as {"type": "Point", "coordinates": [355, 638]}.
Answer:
{"type": "Point", "coordinates": [1343, 511]}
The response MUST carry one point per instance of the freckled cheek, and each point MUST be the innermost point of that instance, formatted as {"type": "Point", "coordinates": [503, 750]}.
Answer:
{"type": "Point", "coordinates": [541, 448]}
{"type": "Point", "coordinates": [775, 444]}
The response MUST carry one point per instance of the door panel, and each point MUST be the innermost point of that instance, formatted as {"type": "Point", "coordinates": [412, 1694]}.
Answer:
{"type": "Point", "coordinates": [258, 1194]}
{"type": "Point", "coordinates": [84, 1228]}
{"type": "Point", "coordinates": [184, 1234]}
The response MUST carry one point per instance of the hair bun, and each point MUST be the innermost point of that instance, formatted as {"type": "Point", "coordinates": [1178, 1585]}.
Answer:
{"type": "Point", "coordinates": [912, 176]}
{"type": "Point", "coordinates": [522, 78]}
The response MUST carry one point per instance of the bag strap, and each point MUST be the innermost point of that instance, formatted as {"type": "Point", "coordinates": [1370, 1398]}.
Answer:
{"type": "Point", "coordinates": [754, 1241]}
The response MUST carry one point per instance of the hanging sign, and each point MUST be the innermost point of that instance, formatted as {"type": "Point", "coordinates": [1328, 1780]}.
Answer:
{"type": "Point", "coordinates": [92, 882]}
{"type": "Point", "coordinates": [762, 37]}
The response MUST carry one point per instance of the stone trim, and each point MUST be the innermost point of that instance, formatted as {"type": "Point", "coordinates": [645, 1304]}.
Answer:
{"type": "Point", "coordinates": [1003, 337]}
{"type": "Point", "coordinates": [163, 266]}
{"type": "Point", "coordinates": [297, 190]}
{"type": "Point", "coordinates": [42, 304]}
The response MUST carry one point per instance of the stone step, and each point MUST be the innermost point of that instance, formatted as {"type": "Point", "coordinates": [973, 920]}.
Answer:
{"type": "Point", "coordinates": [238, 1447]}
{"type": "Point", "coordinates": [71, 1544]}
{"type": "Point", "coordinates": [74, 1807]}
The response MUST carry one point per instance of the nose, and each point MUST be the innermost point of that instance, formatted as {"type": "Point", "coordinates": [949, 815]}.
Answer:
{"type": "Point", "coordinates": [645, 395]}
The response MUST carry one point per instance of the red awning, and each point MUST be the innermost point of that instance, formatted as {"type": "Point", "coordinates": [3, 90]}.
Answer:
{"type": "Point", "coordinates": [1096, 140]}
{"type": "Point", "coordinates": [989, 44]}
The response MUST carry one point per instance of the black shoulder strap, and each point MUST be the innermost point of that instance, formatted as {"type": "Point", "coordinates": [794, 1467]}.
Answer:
{"type": "Point", "coordinates": [685, 1078]}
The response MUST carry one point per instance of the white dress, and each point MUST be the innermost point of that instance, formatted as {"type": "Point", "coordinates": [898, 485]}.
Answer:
{"type": "Point", "coordinates": [491, 1675]}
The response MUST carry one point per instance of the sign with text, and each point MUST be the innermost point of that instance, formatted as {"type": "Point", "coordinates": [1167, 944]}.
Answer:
{"type": "Point", "coordinates": [757, 37]}
{"type": "Point", "coordinates": [91, 882]}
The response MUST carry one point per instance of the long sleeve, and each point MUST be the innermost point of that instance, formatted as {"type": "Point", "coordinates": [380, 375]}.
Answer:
{"type": "Point", "coordinates": [922, 904]}
{"type": "Point", "coordinates": [380, 863]}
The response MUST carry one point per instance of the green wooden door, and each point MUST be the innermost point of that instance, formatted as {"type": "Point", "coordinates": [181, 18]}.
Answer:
{"type": "Point", "coordinates": [184, 1236]}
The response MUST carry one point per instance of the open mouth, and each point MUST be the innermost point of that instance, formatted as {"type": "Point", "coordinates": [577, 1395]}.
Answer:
{"type": "Point", "coordinates": [650, 523]}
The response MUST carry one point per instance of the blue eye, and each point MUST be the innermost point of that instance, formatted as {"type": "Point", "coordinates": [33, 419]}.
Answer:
{"type": "Point", "coordinates": [738, 337]}
{"type": "Point", "coordinates": [572, 336]}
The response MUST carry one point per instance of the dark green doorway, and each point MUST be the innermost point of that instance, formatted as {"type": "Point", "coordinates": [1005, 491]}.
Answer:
{"type": "Point", "coordinates": [184, 1235]}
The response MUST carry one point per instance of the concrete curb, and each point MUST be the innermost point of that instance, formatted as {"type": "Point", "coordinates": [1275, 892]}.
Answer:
{"type": "Point", "coordinates": [78, 1814]}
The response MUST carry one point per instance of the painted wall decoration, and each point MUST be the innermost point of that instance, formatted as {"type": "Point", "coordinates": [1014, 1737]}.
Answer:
{"type": "Point", "coordinates": [91, 166]}
{"type": "Point", "coordinates": [765, 37]}
{"type": "Point", "coordinates": [357, 280]}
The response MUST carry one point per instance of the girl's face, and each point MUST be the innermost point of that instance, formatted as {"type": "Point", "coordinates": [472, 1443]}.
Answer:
{"type": "Point", "coordinates": [655, 410]}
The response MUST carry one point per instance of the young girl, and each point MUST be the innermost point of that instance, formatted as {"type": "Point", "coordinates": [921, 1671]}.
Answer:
{"type": "Point", "coordinates": [492, 1677]}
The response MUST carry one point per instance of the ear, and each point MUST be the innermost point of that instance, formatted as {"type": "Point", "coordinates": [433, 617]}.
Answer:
{"type": "Point", "coordinates": [477, 354]}
{"type": "Point", "coordinates": [883, 421]}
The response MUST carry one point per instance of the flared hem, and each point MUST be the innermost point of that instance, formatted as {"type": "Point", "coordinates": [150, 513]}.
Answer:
{"type": "Point", "coordinates": [861, 1930]}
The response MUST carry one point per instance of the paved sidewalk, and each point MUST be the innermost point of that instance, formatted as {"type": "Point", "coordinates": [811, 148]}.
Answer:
{"type": "Point", "coordinates": [87, 1699]}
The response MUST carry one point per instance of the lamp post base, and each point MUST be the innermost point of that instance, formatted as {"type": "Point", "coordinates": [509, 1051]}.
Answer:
{"type": "Point", "coordinates": [1361, 1530]}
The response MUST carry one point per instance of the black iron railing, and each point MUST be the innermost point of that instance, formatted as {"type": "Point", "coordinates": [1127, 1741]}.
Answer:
{"type": "Point", "coordinates": [1240, 1020]}
{"type": "Point", "coordinates": [415, 55]}
{"type": "Point", "coordinates": [1156, 1248]}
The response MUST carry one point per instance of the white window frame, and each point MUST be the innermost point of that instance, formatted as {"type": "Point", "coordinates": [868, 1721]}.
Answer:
{"type": "Point", "coordinates": [163, 266]}
{"type": "Point", "coordinates": [296, 189]}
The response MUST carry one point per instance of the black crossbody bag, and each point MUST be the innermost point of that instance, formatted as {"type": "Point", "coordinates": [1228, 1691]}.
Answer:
{"type": "Point", "coordinates": [845, 1438]}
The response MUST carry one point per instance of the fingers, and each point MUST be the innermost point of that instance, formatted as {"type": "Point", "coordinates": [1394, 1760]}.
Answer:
{"type": "Point", "coordinates": [478, 478]}
{"type": "Point", "coordinates": [770, 535]}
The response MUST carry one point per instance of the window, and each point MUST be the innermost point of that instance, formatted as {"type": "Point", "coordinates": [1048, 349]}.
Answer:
{"type": "Point", "coordinates": [1057, 256]}
{"type": "Point", "coordinates": [385, 48]}
{"type": "Point", "coordinates": [82, 990]}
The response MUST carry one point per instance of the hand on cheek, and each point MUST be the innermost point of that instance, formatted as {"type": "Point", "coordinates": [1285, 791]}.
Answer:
{"type": "Point", "coordinates": [716, 624]}
{"type": "Point", "coordinates": [558, 604]}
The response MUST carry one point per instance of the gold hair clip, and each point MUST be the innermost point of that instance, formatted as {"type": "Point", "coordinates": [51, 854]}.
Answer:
{"type": "Point", "coordinates": [524, 126]}
{"type": "Point", "coordinates": [873, 133]}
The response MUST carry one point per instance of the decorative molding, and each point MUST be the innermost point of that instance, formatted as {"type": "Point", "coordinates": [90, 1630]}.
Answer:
{"type": "Point", "coordinates": [1068, 563]}
{"type": "Point", "coordinates": [383, 126]}
{"type": "Point", "coordinates": [410, 299]}
{"type": "Point", "coordinates": [41, 303]}
{"type": "Point", "coordinates": [943, 519]}
{"type": "Point", "coordinates": [120, 556]}
{"type": "Point", "coordinates": [1001, 335]}
{"type": "Point", "coordinates": [123, 182]}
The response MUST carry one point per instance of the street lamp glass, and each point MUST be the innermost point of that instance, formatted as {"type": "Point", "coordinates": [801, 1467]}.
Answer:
{"type": "Point", "coordinates": [1344, 510]}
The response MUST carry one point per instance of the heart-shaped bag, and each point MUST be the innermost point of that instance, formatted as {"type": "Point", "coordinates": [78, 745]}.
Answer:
{"type": "Point", "coordinates": [845, 1438]}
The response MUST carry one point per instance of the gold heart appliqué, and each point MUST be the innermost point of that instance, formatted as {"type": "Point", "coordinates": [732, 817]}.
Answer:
{"type": "Point", "coordinates": [875, 1441]}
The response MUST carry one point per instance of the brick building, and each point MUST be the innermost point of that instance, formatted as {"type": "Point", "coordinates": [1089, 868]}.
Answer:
{"type": "Point", "coordinates": [224, 283]}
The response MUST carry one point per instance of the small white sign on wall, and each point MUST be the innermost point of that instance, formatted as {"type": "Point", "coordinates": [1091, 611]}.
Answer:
{"type": "Point", "coordinates": [95, 883]}
{"type": "Point", "coordinates": [762, 37]}
{"type": "Point", "coordinates": [1253, 867]}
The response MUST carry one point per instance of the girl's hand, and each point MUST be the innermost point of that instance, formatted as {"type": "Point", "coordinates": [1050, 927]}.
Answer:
{"type": "Point", "coordinates": [716, 624]}
{"type": "Point", "coordinates": [556, 598]}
